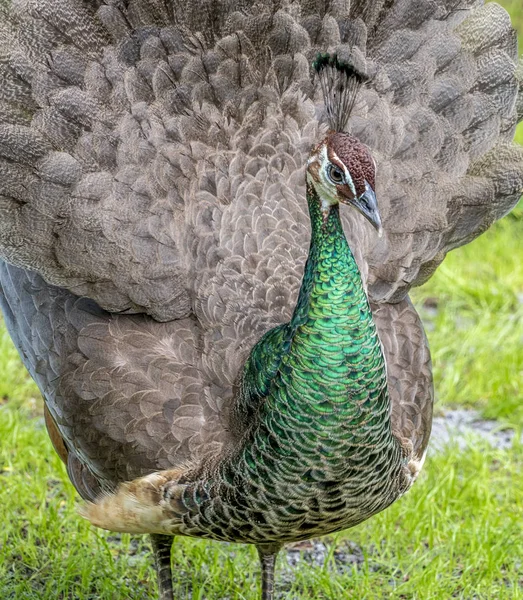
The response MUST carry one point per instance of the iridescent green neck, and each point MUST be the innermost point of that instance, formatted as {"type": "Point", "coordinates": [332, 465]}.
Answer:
{"type": "Point", "coordinates": [316, 453]}
{"type": "Point", "coordinates": [326, 231]}
{"type": "Point", "coordinates": [331, 376]}
{"type": "Point", "coordinates": [332, 327]}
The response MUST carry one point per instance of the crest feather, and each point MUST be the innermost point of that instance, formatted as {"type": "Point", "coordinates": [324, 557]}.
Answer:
{"type": "Point", "coordinates": [340, 81]}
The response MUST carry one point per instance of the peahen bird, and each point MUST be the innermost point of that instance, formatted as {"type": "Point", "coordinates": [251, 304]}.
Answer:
{"type": "Point", "coordinates": [216, 360]}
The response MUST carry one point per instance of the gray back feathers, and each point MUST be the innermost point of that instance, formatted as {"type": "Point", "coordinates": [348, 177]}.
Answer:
{"type": "Point", "coordinates": [134, 140]}
{"type": "Point", "coordinates": [152, 159]}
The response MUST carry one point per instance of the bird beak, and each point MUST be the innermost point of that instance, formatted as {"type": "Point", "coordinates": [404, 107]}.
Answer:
{"type": "Point", "coordinates": [367, 205]}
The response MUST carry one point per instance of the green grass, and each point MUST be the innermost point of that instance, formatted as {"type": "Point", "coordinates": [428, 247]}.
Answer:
{"type": "Point", "coordinates": [14, 382]}
{"type": "Point", "coordinates": [457, 534]}
{"type": "Point", "coordinates": [476, 335]}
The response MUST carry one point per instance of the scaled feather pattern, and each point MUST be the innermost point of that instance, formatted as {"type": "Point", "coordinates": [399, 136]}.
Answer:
{"type": "Point", "coordinates": [153, 212]}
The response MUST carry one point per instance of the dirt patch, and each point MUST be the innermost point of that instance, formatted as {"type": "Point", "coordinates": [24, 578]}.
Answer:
{"type": "Point", "coordinates": [466, 427]}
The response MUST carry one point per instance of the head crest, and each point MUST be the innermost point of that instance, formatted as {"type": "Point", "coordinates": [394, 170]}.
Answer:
{"type": "Point", "coordinates": [340, 82]}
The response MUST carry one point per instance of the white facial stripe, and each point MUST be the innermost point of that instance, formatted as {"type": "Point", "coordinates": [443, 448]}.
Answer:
{"type": "Point", "coordinates": [324, 187]}
{"type": "Point", "coordinates": [324, 192]}
{"type": "Point", "coordinates": [348, 178]}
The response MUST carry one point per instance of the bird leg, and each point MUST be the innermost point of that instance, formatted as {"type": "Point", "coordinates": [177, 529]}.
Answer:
{"type": "Point", "coordinates": [267, 556]}
{"type": "Point", "coordinates": [162, 558]}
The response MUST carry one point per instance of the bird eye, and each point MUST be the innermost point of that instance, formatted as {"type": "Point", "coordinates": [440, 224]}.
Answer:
{"type": "Point", "coordinates": [335, 174]}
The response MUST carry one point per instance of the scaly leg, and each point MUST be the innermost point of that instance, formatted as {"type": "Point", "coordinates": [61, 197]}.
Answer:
{"type": "Point", "coordinates": [267, 556]}
{"type": "Point", "coordinates": [162, 557]}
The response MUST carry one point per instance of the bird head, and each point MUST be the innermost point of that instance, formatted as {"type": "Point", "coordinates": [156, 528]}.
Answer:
{"type": "Point", "coordinates": [342, 170]}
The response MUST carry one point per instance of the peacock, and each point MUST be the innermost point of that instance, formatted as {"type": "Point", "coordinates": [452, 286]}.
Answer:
{"type": "Point", "coordinates": [211, 215]}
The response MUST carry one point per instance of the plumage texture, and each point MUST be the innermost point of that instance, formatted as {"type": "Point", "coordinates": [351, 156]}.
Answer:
{"type": "Point", "coordinates": [152, 160]}
{"type": "Point", "coordinates": [130, 161]}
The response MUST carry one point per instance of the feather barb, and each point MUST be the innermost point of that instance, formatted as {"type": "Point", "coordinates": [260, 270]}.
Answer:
{"type": "Point", "coordinates": [340, 82]}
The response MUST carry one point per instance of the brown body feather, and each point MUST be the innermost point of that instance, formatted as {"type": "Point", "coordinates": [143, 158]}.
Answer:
{"type": "Point", "coordinates": [152, 159]}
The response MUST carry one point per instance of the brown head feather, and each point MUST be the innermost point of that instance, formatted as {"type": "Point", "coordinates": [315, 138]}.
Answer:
{"type": "Point", "coordinates": [355, 156]}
